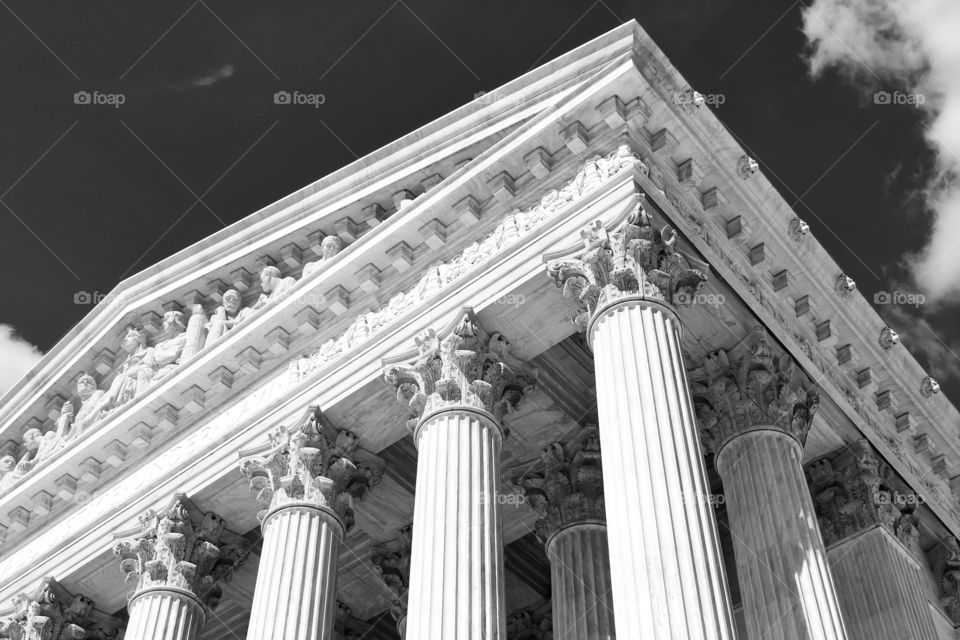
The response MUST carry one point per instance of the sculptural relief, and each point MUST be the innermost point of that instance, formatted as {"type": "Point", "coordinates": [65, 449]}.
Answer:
{"type": "Point", "coordinates": [136, 371]}
{"type": "Point", "coordinates": [92, 405]}
{"type": "Point", "coordinates": [273, 286]}
{"type": "Point", "coordinates": [227, 316]}
{"type": "Point", "coordinates": [329, 247]}
{"type": "Point", "coordinates": [167, 352]}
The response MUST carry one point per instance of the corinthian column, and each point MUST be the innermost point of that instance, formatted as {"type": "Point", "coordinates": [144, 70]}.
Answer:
{"type": "Point", "coordinates": [306, 478]}
{"type": "Point", "coordinates": [458, 389]}
{"type": "Point", "coordinates": [667, 572]}
{"type": "Point", "coordinates": [755, 410]}
{"type": "Point", "coordinates": [870, 531]}
{"type": "Point", "coordinates": [176, 557]}
{"type": "Point", "coordinates": [568, 494]}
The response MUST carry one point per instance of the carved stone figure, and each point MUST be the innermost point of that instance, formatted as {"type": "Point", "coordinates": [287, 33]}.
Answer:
{"type": "Point", "coordinates": [136, 371]}
{"type": "Point", "coordinates": [329, 247]}
{"type": "Point", "coordinates": [167, 352]}
{"type": "Point", "coordinates": [92, 405]}
{"type": "Point", "coordinates": [227, 316]}
{"type": "Point", "coordinates": [273, 286]}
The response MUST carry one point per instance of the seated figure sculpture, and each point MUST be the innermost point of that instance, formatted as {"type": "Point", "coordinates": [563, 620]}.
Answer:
{"type": "Point", "coordinates": [167, 352]}
{"type": "Point", "coordinates": [329, 247]}
{"type": "Point", "coordinates": [273, 286]}
{"type": "Point", "coordinates": [227, 316]}
{"type": "Point", "coordinates": [136, 371]}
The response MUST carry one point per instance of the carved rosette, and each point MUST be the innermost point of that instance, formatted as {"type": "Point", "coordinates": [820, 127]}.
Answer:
{"type": "Point", "coordinates": [945, 565]}
{"type": "Point", "coordinates": [929, 387]}
{"type": "Point", "coordinates": [182, 548]}
{"type": "Point", "coordinates": [314, 464]}
{"type": "Point", "coordinates": [888, 338]}
{"type": "Point", "coordinates": [392, 561]}
{"type": "Point", "coordinates": [747, 166]}
{"type": "Point", "coordinates": [467, 368]}
{"type": "Point", "coordinates": [52, 613]}
{"type": "Point", "coordinates": [569, 489]}
{"type": "Point", "coordinates": [754, 386]}
{"type": "Point", "coordinates": [531, 624]}
{"type": "Point", "coordinates": [855, 490]}
{"type": "Point", "coordinates": [844, 286]}
{"type": "Point", "coordinates": [797, 230]}
{"type": "Point", "coordinates": [633, 260]}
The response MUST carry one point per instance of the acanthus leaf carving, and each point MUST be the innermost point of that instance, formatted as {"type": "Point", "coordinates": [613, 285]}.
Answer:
{"type": "Point", "coordinates": [468, 367]}
{"type": "Point", "coordinates": [755, 385]}
{"type": "Point", "coordinates": [634, 259]}
{"type": "Point", "coordinates": [53, 613]}
{"type": "Point", "coordinates": [312, 463]}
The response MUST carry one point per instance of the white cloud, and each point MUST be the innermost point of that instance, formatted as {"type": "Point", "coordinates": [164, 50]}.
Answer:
{"type": "Point", "coordinates": [215, 76]}
{"type": "Point", "coordinates": [17, 355]}
{"type": "Point", "coordinates": [910, 46]}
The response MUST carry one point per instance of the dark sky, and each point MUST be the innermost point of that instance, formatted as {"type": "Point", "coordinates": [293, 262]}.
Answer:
{"type": "Point", "coordinates": [94, 193]}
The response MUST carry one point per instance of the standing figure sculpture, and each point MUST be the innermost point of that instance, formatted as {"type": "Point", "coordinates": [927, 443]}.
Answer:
{"type": "Point", "coordinates": [92, 405]}
{"type": "Point", "coordinates": [227, 316]}
{"type": "Point", "coordinates": [329, 247]}
{"type": "Point", "coordinates": [167, 352]}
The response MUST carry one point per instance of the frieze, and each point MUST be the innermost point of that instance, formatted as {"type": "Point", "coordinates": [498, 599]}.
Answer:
{"type": "Point", "coordinates": [595, 172]}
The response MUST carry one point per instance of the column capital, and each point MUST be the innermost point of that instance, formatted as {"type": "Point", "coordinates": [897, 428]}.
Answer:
{"type": "Point", "coordinates": [855, 490]}
{"type": "Point", "coordinates": [392, 561]}
{"type": "Point", "coordinates": [634, 259]}
{"type": "Point", "coordinates": [53, 613]}
{"type": "Point", "coordinates": [945, 565]}
{"type": "Point", "coordinates": [311, 464]}
{"type": "Point", "coordinates": [180, 548]}
{"type": "Point", "coordinates": [569, 488]}
{"type": "Point", "coordinates": [468, 367]}
{"type": "Point", "coordinates": [755, 385]}
{"type": "Point", "coordinates": [531, 624]}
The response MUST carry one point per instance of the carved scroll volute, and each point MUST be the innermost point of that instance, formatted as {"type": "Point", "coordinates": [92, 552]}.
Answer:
{"type": "Point", "coordinates": [635, 259]}
{"type": "Point", "coordinates": [467, 368]}
{"type": "Point", "coordinates": [312, 463]}
{"type": "Point", "coordinates": [755, 385]}
{"type": "Point", "coordinates": [180, 547]}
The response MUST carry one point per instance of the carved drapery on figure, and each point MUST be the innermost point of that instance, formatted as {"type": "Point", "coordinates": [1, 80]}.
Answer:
{"type": "Point", "coordinates": [312, 463]}
{"type": "Point", "coordinates": [570, 487]}
{"type": "Point", "coordinates": [634, 259]}
{"type": "Point", "coordinates": [329, 247]}
{"type": "Point", "coordinates": [392, 561]}
{"type": "Point", "coordinates": [756, 385]}
{"type": "Point", "coordinates": [53, 613]}
{"type": "Point", "coordinates": [856, 490]}
{"type": "Point", "coordinates": [180, 547]}
{"type": "Point", "coordinates": [469, 367]}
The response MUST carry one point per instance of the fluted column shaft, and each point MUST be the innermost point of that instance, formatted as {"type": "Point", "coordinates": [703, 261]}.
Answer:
{"type": "Point", "coordinates": [880, 588]}
{"type": "Point", "coordinates": [666, 573]}
{"type": "Point", "coordinates": [580, 577]}
{"type": "Point", "coordinates": [165, 613]}
{"type": "Point", "coordinates": [785, 582]}
{"type": "Point", "coordinates": [456, 562]}
{"type": "Point", "coordinates": [295, 596]}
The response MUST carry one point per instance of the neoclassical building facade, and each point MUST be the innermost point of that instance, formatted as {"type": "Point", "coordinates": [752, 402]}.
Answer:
{"type": "Point", "coordinates": [560, 364]}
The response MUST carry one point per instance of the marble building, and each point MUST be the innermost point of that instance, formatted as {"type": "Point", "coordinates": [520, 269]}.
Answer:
{"type": "Point", "coordinates": [560, 364]}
